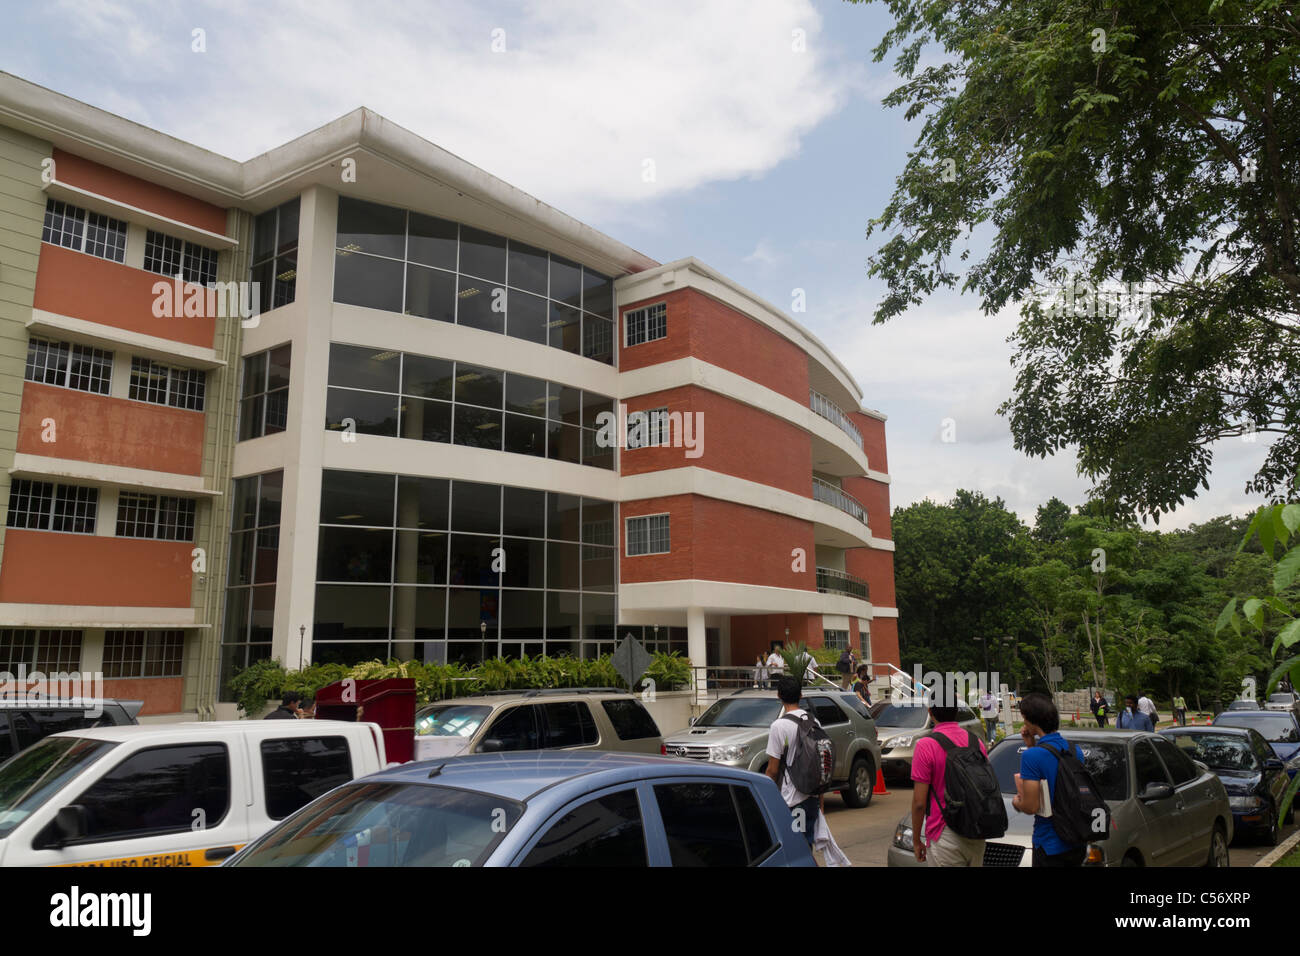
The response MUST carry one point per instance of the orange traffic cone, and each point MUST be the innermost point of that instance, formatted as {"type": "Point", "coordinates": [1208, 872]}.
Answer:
{"type": "Point", "coordinates": [880, 784]}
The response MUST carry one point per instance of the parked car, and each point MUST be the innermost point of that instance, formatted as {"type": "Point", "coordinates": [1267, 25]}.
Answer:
{"type": "Point", "coordinates": [171, 794]}
{"type": "Point", "coordinates": [1280, 728]}
{"type": "Point", "coordinates": [1249, 770]}
{"type": "Point", "coordinates": [1165, 810]}
{"type": "Point", "coordinates": [24, 722]}
{"type": "Point", "coordinates": [541, 809]}
{"type": "Point", "coordinates": [733, 732]}
{"type": "Point", "coordinates": [1283, 700]}
{"type": "Point", "coordinates": [901, 724]}
{"type": "Point", "coordinates": [1240, 704]}
{"type": "Point", "coordinates": [593, 718]}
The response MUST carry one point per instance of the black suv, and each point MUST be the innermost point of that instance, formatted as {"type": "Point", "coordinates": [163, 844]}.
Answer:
{"type": "Point", "coordinates": [23, 723]}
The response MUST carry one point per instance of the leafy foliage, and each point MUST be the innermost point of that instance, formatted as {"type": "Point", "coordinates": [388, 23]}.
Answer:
{"type": "Point", "coordinates": [1068, 144]}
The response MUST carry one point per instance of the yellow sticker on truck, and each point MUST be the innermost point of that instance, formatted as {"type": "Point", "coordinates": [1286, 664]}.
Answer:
{"type": "Point", "coordinates": [179, 858]}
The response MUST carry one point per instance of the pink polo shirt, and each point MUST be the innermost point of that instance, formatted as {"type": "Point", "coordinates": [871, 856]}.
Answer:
{"type": "Point", "coordinates": [929, 762]}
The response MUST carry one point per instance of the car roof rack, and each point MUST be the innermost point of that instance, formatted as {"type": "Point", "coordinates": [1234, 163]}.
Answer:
{"type": "Point", "coordinates": [536, 692]}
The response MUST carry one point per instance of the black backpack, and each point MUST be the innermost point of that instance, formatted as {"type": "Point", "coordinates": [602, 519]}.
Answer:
{"type": "Point", "coordinates": [1079, 813]}
{"type": "Point", "coordinates": [814, 757]}
{"type": "Point", "coordinates": [843, 665]}
{"type": "Point", "coordinates": [972, 799]}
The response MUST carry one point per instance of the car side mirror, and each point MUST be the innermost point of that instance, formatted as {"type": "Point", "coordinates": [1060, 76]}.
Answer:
{"type": "Point", "coordinates": [491, 745]}
{"type": "Point", "coordinates": [1156, 791]}
{"type": "Point", "coordinates": [70, 823]}
{"type": "Point", "coordinates": [693, 720]}
{"type": "Point", "coordinates": [1272, 763]}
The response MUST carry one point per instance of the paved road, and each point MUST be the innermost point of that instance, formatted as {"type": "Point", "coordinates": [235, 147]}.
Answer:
{"type": "Point", "coordinates": [864, 834]}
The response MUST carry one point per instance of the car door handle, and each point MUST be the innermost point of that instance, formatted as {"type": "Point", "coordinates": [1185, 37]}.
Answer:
{"type": "Point", "coordinates": [218, 852]}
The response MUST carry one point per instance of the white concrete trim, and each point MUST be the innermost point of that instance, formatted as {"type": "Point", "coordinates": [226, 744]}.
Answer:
{"type": "Point", "coordinates": [714, 484]}
{"type": "Point", "coordinates": [134, 214]}
{"type": "Point", "coordinates": [728, 597]}
{"type": "Point", "coordinates": [89, 472]}
{"type": "Point", "coordinates": [692, 371]}
{"type": "Point", "coordinates": [882, 544]}
{"type": "Point", "coordinates": [885, 611]}
{"type": "Point", "coordinates": [91, 616]}
{"type": "Point", "coordinates": [94, 333]}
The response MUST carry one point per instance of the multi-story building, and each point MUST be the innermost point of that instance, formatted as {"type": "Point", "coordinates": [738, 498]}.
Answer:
{"type": "Point", "coordinates": [450, 422]}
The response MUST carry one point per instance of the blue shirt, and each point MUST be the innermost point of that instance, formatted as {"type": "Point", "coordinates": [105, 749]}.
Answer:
{"type": "Point", "coordinates": [1133, 721]}
{"type": "Point", "coordinates": [1039, 763]}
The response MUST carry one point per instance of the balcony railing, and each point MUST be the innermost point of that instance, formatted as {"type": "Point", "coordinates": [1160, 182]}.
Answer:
{"type": "Point", "coordinates": [839, 582]}
{"type": "Point", "coordinates": [828, 410]}
{"type": "Point", "coordinates": [829, 494]}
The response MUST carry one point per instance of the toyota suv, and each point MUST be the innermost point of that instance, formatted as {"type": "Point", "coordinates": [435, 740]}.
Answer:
{"type": "Point", "coordinates": [901, 723]}
{"type": "Point", "coordinates": [734, 730]}
{"type": "Point", "coordinates": [579, 718]}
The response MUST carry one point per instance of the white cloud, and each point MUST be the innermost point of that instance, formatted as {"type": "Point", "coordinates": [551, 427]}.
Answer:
{"type": "Point", "coordinates": [581, 97]}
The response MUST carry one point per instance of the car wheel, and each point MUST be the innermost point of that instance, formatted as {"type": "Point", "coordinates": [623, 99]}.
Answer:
{"type": "Point", "coordinates": [862, 783]}
{"type": "Point", "coordinates": [1218, 848]}
{"type": "Point", "coordinates": [1130, 860]}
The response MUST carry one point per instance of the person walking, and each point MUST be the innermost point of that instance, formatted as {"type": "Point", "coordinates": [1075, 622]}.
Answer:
{"type": "Point", "coordinates": [805, 808]}
{"type": "Point", "coordinates": [1132, 718]}
{"type": "Point", "coordinates": [760, 671]}
{"type": "Point", "coordinates": [775, 666]}
{"type": "Point", "coordinates": [942, 845]}
{"type": "Point", "coordinates": [989, 708]}
{"type": "Point", "coordinates": [1180, 710]}
{"type": "Point", "coordinates": [1038, 770]}
{"type": "Point", "coordinates": [844, 666]}
{"type": "Point", "coordinates": [288, 709]}
{"type": "Point", "coordinates": [1099, 708]}
{"type": "Point", "coordinates": [862, 686]}
{"type": "Point", "coordinates": [1148, 707]}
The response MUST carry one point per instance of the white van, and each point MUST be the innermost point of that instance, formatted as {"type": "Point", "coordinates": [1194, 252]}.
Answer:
{"type": "Point", "coordinates": [171, 794]}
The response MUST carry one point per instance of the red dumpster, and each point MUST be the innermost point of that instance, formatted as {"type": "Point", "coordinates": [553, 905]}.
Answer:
{"type": "Point", "coordinates": [387, 701]}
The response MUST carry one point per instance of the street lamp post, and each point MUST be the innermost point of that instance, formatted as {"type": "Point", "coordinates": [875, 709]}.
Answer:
{"type": "Point", "coordinates": [302, 639]}
{"type": "Point", "coordinates": [482, 634]}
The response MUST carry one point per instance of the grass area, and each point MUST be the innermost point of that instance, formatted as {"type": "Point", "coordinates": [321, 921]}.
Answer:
{"type": "Point", "coordinates": [1291, 859]}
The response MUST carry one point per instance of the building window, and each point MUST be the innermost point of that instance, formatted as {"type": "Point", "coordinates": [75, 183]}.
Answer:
{"type": "Point", "coordinates": [47, 651]}
{"type": "Point", "coordinates": [69, 365]}
{"type": "Point", "coordinates": [162, 517]}
{"type": "Point", "coordinates": [89, 232]}
{"type": "Point", "coordinates": [647, 535]}
{"type": "Point", "coordinates": [143, 653]}
{"type": "Point", "coordinates": [647, 429]}
{"type": "Point", "coordinates": [400, 261]}
{"type": "Point", "coordinates": [45, 506]}
{"type": "Point", "coordinates": [161, 384]}
{"type": "Point", "coordinates": [645, 324]}
{"type": "Point", "coordinates": [264, 394]}
{"type": "Point", "coordinates": [169, 256]}
{"type": "Point", "coordinates": [421, 397]}
{"type": "Point", "coordinates": [275, 255]}
{"type": "Point", "coordinates": [835, 640]}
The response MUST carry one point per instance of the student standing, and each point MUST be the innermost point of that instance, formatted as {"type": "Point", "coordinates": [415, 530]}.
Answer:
{"type": "Point", "coordinates": [1038, 767]}
{"type": "Point", "coordinates": [1099, 708]}
{"type": "Point", "coordinates": [1132, 718]}
{"type": "Point", "coordinates": [781, 737]}
{"type": "Point", "coordinates": [1180, 710]}
{"type": "Point", "coordinates": [942, 846]}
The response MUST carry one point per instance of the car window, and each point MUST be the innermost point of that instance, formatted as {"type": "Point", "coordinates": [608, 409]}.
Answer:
{"type": "Point", "coordinates": [1147, 765]}
{"type": "Point", "coordinates": [964, 713]}
{"type": "Point", "coordinates": [759, 841]}
{"type": "Point", "coordinates": [450, 720]}
{"type": "Point", "coordinates": [569, 724]}
{"type": "Point", "coordinates": [1180, 767]}
{"type": "Point", "coordinates": [516, 729]}
{"type": "Point", "coordinates": [631, 721]}
{"type": "Point", "coordinates": [854, 702]}
{"type": "Point", "coordinates": [827, 712]}
{"type": "Point", "coordinates": [906, 716]}
{"type": "Point", "coordinates": [702, 823]}
{"type": "Point", "coordinates": [1218, 751]}
{"type": "Point", "coordinates": [1108, 765]}
{"type": "Point", "coordinates": [6, 742]}
{"type": "Point", "coordinates": [1276, 727]}
{"type": "Point", "coordinates": [741, 712]}
{"type": "Point", "coordinates": [33, 725]}
{"type": "Point", "coordinates": [606, 831]}
{"type": "Point", "coordinates": [158, 791]}
{"type": "Point", "coordinates": [38, 773]}
{"type": "Point", "coordinates": [1262, 750]}
{"type": "Point", "coordinates": [297, 770]}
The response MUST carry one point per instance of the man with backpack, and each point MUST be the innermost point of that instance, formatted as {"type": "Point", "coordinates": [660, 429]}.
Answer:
{"type": "Point", "coordinates": [1054, 785]}
{"type": "Point", "coordinates": [956, 800]}
{"type": "Point", "coordinates": [800, 758]}
{"type": "Point", "coordinates": [845, 668]}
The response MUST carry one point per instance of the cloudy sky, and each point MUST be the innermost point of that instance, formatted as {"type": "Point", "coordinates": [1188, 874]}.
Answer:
{"type": "Point", "coordinates": [760, 120]}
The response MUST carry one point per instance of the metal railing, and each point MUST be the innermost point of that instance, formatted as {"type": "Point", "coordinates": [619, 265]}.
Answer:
{"type": "Point", "coordinates": [832, 495]}
{"type": "Point", "coordinates": [832, 581]}
{"type": "Point", "coordinates": [828, 410]}
{"type": "Point", "coordinates": [718, 681]}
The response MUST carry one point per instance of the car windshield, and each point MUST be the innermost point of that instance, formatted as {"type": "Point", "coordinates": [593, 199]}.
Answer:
{"type": "Point", "coordinates": [902, 715]}
{"type": "Point", "coordinates": [1107, 762]}
{"type": "Point", "coordinates": [1217, 751]}
{"type": "Point", "coordinates": [385, 824]}
{"type": "Point", "coordinates": [1276, 728]}
{"type": "Point", "coordinates": [741, 712]}
{"type": "Point", "coordinates": [450, 720]}
{"type": "Point", "coordinates": [33, 776]}
{"type": "Point", "coordinates": [1281, 699]}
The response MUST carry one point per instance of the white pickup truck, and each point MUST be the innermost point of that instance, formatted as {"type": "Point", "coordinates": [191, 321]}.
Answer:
{"type": "Point", "coordinates": [171, 794]}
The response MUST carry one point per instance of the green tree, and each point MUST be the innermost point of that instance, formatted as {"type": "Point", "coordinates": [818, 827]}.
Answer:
{"type": "Point", "coordinates": [1068, 144]}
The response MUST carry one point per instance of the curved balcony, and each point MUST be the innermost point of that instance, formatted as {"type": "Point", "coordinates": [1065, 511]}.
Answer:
{"type": "Point", "coordinates": [831, 581]}
{"type": "Point", "coordinates": [828, 410]}
{"type": "Point", "coordinates": [829, 494]}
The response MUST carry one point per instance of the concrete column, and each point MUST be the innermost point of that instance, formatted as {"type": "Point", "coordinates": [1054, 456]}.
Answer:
{"type": "Point", "coordinates": [696, 647]}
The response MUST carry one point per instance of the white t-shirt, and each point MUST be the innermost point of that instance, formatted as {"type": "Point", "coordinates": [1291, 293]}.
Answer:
{"type": "Point", "coordinates": [1146, 706]}
{"type": "Point", "coordinates": [776, 661]}
{"type": "Point", "coordinates": [988, 706]}
{"type": "Point", "coordinates": [782, 734]}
